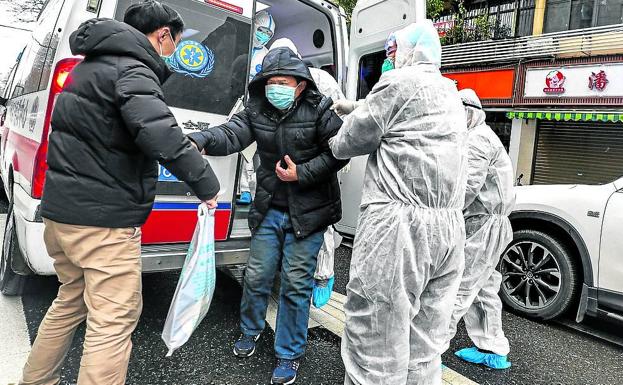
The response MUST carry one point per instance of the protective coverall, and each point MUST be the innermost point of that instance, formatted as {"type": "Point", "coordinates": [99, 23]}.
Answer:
{"type": "Point", "coordinates": [407, 260]}
{"type": "Point", "coordinates": [264, 25]}
{"type": "Point", "coordinates": [489, 199]}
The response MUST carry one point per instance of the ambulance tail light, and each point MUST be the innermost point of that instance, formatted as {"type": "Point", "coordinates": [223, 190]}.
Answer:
{"type": "Point", "coordinates": [60, 78]}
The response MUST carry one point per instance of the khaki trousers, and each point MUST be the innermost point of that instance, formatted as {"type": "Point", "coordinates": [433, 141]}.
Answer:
{"type": "Point", "coordinates": [100, 272]}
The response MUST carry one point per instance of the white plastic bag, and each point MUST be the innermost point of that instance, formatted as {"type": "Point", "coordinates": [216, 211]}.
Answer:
{"type": "Point", "coordinates": [324, 267]}
{"type": "Point", "coordinates": [196, 285]}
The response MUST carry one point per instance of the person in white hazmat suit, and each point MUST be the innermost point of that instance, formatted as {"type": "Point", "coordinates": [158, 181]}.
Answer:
{"type": "Point", "coordinates": [324, 276]}
{"type": "Point", "coordinates": [407, 259]}
{"type": "Point", "coordinates": [489, 199]}
{"type": "Point", "coordinates": [264, 27]}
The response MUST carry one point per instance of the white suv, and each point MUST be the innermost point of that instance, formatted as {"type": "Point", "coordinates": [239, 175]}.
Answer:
{"type": "Point", "coordinates": [567, 252]}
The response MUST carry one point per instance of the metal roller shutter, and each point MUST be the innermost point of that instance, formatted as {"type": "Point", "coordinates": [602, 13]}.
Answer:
{"type": "Point", "coordinates": [578, 152]}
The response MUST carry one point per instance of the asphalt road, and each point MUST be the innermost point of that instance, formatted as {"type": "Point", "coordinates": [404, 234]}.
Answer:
{"type": "Point", "coordinates": [541, 353]}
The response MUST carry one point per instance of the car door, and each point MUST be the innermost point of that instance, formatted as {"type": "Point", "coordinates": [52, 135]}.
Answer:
{"type": "Point", "coordinates": [368, 33]}
{"type": "Point", "coordinates": [201, 92]}
{"type": "Point", "coordinates": [611, 255]}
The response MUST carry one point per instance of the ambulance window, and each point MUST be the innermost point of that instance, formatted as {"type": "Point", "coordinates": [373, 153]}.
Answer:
{"type": "Point", "coordinates": [210, 64]}
{"type": "Point", "coordinates": [369, 72]}
{"type": "Point", "coordinates": [47, 35]}
{"type": "Point", "coordinates": [6, 93]}
{"type": "Point", "coordinates": [33, 61]}
{"type": "Point", "coordinates": [24, 69]}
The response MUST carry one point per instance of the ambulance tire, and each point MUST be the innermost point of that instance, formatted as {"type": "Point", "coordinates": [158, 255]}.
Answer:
{"type": "Point", "coordinates": [11, 284]}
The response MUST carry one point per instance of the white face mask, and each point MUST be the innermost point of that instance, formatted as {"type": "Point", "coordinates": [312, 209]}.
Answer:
{"type": "Point", "coordinates": [165, 58]}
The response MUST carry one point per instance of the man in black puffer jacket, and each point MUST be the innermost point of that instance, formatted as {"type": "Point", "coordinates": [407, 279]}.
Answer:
{"type": "Point", "coordinates": [110, 127]}
{"type": "Point", "coordinates": [297, 197]}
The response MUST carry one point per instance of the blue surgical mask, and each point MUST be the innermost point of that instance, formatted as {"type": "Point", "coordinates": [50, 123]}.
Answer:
{"type": "Point", "coordinates": [282, 97]}
{"type": "Point", "coordinates": [262, 37]}
{"type": "Point", "coordinates": [388, 65]}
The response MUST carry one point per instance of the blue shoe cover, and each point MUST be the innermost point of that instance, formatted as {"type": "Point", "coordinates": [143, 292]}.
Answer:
{"type": "Point", "coordinates": [245, 198]}
{"type": "Point", "coordinates": [491, 360]}
{"type": "Point", "coordinates": [321, 292]}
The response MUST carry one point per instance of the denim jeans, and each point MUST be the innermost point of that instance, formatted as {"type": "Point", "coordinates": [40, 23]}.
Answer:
{"type": "Point", "coordinates": [272, 244]}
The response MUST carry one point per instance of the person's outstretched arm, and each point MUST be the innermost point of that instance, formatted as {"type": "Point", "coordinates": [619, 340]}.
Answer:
{"type": "Point", "coordinates": [228, 138]}
{"type": "Point", "coordinates": [363, 129]}
{"type": "Point", "coordinates": [155, 131]}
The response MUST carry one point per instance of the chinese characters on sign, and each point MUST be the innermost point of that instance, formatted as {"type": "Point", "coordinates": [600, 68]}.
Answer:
{"type": "Point", "coordinates": [598, 81]}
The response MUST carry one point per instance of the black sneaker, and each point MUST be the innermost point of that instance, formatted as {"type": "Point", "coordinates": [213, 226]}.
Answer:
{"type": "Point", "coordinates": [245, 346]}
{"type": "Point", "coordinates": [285, 372]}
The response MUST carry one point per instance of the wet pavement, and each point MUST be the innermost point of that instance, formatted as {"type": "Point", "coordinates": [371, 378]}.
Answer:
{"type": "Point", "coordinates": [207, 357]}
{"type": "Point", "coordinates": [541, 353]}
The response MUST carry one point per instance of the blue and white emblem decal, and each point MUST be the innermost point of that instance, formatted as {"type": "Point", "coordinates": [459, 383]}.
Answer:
{"type": "Point", "coordinates": [192, 59]}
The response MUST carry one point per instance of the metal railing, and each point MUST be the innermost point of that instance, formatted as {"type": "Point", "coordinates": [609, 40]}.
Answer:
{"type": "Point", "coordinates": [583, 42]}
{"type": "Point", "coordinates": [506, 17]}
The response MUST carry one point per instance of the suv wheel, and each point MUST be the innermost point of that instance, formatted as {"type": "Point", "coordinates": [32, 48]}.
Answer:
{"type": "Point", "coordinates": [10, 282]}
{"type": "Point", "coordinates": [539, 275]}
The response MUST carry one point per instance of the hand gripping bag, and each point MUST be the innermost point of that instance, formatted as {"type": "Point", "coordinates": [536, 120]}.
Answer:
{"type": "Point", "coordinates": [195, 287]}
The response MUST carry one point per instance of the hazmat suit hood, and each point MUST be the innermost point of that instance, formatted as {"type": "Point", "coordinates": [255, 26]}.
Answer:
{"type": "Point", "coordinates": [98, 37]}
{"type": "Point", "coordinates": [325, 83]}
{"type": "Point", "coordinates": [284, 42]}
{"type": "Point", "coordinates": [474, 114]}
{"type": "Point", "coordinates": [263, 19]}
{"type": "Point", "coordinates": [418, 43]}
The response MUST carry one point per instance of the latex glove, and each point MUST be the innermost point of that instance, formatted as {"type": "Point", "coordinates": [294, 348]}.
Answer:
{"type": "Point", "coordinates": [344, 106]}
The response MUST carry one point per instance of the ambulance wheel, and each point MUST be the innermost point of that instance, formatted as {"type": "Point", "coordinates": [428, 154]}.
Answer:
{"type": "Point", "coordinates": [10, 282]}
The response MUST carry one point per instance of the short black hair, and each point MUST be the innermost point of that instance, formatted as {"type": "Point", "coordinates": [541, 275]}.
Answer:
{"type": "Point", "coordinates": [149, 16]}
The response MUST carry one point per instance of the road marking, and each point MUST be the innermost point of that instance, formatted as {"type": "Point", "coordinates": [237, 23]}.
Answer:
{"type": "Point", "coordinates": [331, 317]}
{"type": "Point", "coordinates": [13, 333]}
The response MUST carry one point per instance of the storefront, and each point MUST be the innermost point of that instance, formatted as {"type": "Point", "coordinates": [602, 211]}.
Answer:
{"type": "Point", "coordinates": [494, 86]}
{"type": "Point", "coordinates": [569, 126]}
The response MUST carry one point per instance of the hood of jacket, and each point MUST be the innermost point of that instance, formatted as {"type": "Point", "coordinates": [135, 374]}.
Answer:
{"type": "Point", "coordinates": [98, 37]}
{"type": "Point", "coordinates": [281, 62]}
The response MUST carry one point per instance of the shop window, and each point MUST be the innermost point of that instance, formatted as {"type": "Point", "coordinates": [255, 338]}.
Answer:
{"type": "Point", "coordinates": [563, 15]}
{"type": "Point", "coordinates": [502, 126]}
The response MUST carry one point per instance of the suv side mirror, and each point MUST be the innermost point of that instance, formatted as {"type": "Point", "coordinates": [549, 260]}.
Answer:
{"type": "Point", "coordinates": [3, 101]}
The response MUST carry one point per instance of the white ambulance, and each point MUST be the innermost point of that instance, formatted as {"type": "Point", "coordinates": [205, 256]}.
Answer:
{"type": "Point", "coordinates": [200, 95]}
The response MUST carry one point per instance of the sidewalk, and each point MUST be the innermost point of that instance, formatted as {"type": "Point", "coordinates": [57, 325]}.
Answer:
{"type": "Point", "coordinates": [331, 317]}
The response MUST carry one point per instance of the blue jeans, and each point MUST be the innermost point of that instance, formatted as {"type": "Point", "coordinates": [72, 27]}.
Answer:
{"type": "Point", "coordinates": [274, 243]}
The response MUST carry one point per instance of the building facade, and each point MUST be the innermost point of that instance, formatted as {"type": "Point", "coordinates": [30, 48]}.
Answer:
{"type": "Point", "coordinates": [555, 97]}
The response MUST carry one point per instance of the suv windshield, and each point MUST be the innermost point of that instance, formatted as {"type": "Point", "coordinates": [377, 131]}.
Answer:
{"type": "Point", "coordinates": [210, 63]}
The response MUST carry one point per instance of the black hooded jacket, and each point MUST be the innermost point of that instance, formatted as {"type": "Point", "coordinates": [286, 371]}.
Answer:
{"type": "Point", "coordinates": [110, 128]}
{"type": "Point", "coordinates": [302, 133]}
